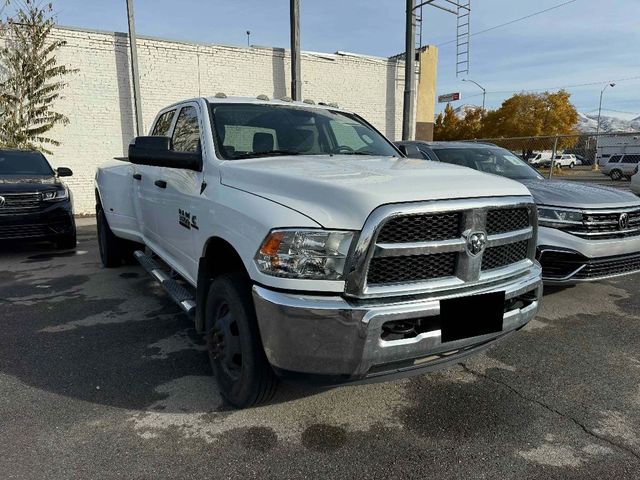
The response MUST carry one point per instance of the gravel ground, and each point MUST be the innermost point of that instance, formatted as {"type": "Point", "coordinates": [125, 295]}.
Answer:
{"type": "Point", "coordinates": [102, 377]}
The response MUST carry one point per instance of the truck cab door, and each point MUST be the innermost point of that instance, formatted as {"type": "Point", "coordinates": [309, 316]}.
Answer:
{"type": "Point", "coordinates": [180, 208]}
{"type": "Point", "coordinates": [147, 197]}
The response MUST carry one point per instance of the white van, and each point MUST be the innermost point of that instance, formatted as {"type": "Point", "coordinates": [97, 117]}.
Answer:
{"type": "Point", "coordinates": [540, 158]}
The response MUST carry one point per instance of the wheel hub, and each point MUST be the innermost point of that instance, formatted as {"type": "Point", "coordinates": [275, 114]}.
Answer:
{"type": "Point", "coordinates": [224, 341]}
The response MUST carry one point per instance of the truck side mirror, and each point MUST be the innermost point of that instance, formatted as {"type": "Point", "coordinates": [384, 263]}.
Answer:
{"type": "Point", "coordinates": [156, 151]}
{"type": "Point", "coordinates": [64, 172]}
{"type": "Point", "coordinates": [410, 151]}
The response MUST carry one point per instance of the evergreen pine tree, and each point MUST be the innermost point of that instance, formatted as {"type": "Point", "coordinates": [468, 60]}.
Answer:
{"type": "Point", "coordinates": [30, 78]}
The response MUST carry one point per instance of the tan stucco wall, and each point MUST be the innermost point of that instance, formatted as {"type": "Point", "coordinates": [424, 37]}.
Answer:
{"type": "Point", "coordinates": [426, 92]}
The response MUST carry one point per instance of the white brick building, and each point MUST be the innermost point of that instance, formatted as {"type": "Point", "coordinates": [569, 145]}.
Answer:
{"type": "Point", "coordinates": [98, 99]}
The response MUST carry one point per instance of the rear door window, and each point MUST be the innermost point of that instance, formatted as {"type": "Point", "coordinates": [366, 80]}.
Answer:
{"type": "Point", "coordinates": [186, 134]}
{"type": "Point", "coordinates": [163, 124]}
{"type": "Point", "coordinates": [631, 159]}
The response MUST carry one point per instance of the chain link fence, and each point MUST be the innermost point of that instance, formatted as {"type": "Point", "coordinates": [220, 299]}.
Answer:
{"type": "Point", "coordinates": [555, 155]}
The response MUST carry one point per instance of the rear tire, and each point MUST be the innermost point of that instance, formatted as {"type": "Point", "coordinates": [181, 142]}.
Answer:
{"type": "Point", "coordinates": [572, 165]}
{"type": "Point", "coordinates": [110, 246]}
{"type": "Point", "coordinates": [243, 373]}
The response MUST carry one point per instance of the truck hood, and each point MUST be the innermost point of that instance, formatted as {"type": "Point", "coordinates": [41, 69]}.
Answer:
{"type": "Point", "coordinates": [559, 193]}
{"type": "Point", "coordinates": [341, 191]}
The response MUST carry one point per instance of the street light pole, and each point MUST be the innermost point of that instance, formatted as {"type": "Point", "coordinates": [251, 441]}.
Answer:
{"type": "Point", "coordinates": [595, 160]}
{"type": "Point", "coordinates": [409, 71]}
{"type": "Point", "coordinates": [135, 76]}
{"type": "Point", "coordinates": [296, 81]}
{"type": "Point", "coordinates": [484, 91]}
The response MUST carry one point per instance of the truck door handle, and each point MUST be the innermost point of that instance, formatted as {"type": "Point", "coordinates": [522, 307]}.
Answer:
{"type": "Point", "coordinates": [137, 176]}
{"type": "Point", "coordinates": [160, 183]}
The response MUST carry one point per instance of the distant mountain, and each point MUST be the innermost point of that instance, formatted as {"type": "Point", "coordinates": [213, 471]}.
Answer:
{"type": "Point", "coordinates": [608, 124]}
{"type": "Point", "coordinates": [462, 110]}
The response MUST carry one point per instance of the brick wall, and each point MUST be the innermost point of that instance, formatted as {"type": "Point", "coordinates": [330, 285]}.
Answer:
{"type": "Point", "coordinates": [98, 99]}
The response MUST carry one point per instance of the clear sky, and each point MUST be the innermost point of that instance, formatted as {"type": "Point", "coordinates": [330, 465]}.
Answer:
{"type": "Point", "coordinates": [582, 42]}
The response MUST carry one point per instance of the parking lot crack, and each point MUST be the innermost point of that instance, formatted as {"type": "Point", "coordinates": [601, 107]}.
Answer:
{"type": "Point", "coordinates": [553, 410]}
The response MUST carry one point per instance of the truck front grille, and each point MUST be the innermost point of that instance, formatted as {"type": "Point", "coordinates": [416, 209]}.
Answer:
{"type": "Point", "coordinates": [419, 247]}
{"type": "Point", "coordinates": [411, 268]}
{"type": "Point", "coordinates": [421, 228]}
{"type": "Point", "coordinates": [497, 257]}
{"type": "Point", "coordinates": [507, 220]}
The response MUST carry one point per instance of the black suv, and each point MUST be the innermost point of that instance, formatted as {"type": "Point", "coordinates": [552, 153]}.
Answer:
{"type": "Point", "coordinates": [34, 203]}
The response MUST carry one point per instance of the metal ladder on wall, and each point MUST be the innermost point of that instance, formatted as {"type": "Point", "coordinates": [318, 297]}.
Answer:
{"type": "Point", "coordinates": [463, 34]}
{"type": "Point", "coordinates": [418, 20]}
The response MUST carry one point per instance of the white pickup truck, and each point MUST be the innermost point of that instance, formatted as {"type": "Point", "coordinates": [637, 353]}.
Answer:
{"type": "Point", "coordinates": [306, 245]}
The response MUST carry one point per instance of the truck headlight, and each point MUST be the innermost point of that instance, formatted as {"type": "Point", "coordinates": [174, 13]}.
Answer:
{"type": "Point", "coordinates": [58, 194]}
{"type": "Point", "coordinates": [310, 254]}
{"type": "Point", "coordinates": [558, 217]}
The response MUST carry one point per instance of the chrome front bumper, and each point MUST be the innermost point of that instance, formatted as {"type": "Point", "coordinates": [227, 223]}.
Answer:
{"type": "Point", "coordinates": [332, 336]}
{"type": "Point", "coordinates": [610, 252]}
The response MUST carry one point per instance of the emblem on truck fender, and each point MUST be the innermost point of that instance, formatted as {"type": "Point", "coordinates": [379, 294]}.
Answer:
{"type": "Point", "coordinates": [187, 220]}
{"type": "Point", "coordinates": [623, 221]}
{"type": "Point", "coordinates": [476, 241]}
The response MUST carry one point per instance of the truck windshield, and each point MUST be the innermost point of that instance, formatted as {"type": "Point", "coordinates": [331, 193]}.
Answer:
{"type": "Point", "coordinates": [257, 130]}
{"type": "Point", "coordinates": [21, 163]}
{"type": "Point", "coordinates": [489, 160]}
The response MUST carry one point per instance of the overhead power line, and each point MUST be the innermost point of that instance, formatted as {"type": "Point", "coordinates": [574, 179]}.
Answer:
{"type": "Point", "coordinates": [512, 21]}
{"type": "Point", "coordinates": [576, 85]}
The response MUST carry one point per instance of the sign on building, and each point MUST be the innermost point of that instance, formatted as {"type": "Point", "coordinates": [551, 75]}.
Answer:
{"type": "Point", "coordinates": [449, 97]}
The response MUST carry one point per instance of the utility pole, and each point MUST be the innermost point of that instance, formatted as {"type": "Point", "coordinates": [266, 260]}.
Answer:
{"type": "Point", "coordinates": [248, 38]}
{"type": "Point", "coordinates": [409, 71]}
{"type": "Point", "coordinates": [296, 82]}
{"type": "Point", "coordinates": [137, 101]}
{"type": "Point", "coordinates": [595, 161]}
{"type": "Point", "coordinates": [484, 91]}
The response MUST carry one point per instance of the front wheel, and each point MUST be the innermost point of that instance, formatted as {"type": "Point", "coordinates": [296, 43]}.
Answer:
{"type": "Point", "coordinates": [237, 357]}
{"type": "Point", "coordinates": [572, 165]}
{"type": "Point", "coordinates": [616, 174]}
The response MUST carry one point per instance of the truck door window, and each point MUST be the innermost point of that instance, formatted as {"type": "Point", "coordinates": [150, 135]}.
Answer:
{"type": "Point", "coordinates": [631, 159]}
{"type": "Point", "coordinates": [186, 134]}
{"type": "Point", "coordinates": [613, 159]}
{"type": "Point", "coordinates": [163, 124]}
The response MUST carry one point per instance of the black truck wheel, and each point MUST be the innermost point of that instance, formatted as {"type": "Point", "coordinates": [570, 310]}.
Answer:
{"type": "Point", "coordinates": [237, 357]}
{"type": "Point", "coordinates": [110, 246]}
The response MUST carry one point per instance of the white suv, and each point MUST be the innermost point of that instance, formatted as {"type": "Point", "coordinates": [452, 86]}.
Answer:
{"type": "Point", "coordinates": [566, 160]}
{"type": "Point", "coordinates": [621, 166]}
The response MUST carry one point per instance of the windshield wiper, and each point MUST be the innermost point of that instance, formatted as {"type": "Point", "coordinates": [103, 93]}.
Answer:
{"type": "Point", "coordinates": [268, 153]}
{"type": "Point", "coordinates": [357, 153]}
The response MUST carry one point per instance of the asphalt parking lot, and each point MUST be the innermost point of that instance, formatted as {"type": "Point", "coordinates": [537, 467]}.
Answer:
{"type": "Point", "coordinates": [101, 376]}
